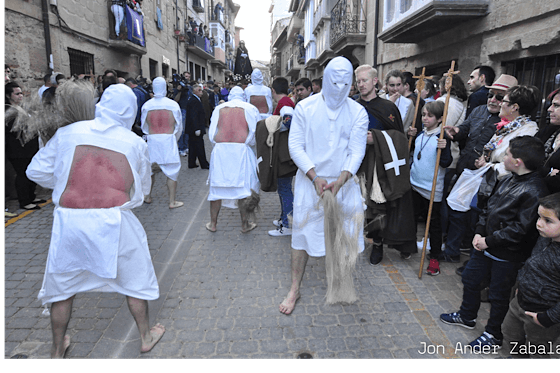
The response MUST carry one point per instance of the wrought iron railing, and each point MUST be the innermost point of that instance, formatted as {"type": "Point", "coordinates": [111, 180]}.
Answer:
{"type": "Point", "coordinates": [347, 17]}
{"type": "Point", "coordinates": [201, 42]}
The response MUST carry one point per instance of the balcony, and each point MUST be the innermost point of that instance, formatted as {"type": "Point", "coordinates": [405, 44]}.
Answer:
{"type": "Point", "coordinates": [198, 6]}
{"type": "Point", "coordinates": [322, 15]}
{"type": "Point", "coordinates": [412, 21]}
{"type": "Point", "coordinates": [132, 42]}
{"type": "Point", "coordinates": [348, 25]}
{"type": "Point", "coordinates": [201, 46]}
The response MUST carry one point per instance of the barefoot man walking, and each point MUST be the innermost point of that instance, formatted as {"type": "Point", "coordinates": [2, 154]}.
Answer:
{"type": "Point", "coordinates": [99, 170]}
{"type": "Point", "coordinates": [162, 122]}
{"type": "Point", "coordinates": [327, 142]}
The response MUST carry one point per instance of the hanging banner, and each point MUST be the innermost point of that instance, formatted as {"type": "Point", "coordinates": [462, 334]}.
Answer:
{"type": "Point", "coordinates": [135, 27]}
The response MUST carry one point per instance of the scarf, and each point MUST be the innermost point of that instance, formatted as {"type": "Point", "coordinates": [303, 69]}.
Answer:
{"type": "Point", "coordinates": [551, 145]}
{"type": "Point", "coordinates": [505, 130]}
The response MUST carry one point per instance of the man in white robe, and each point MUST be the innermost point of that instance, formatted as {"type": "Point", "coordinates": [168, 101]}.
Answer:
{"type": "Point", "coordinates": [327, 142]}
{"type": "Point", "coordinates": [233, 163]}
{"type": "Point", "coordinates": [162, 123]}
{"type": "Point", "coordinates": [99, 170]}
{"type": "Point", "coordinates": [259, 95]}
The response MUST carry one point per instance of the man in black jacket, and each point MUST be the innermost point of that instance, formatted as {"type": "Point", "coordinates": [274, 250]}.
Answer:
{"type": "Point", "coordinates": [195, 127]}
{"type": "Point", "coordinates": [478, 129]}
{"type": "Point", "coordinates": [505, 235]}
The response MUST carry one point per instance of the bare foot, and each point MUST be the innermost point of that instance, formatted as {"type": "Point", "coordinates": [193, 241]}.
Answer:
{"type": "Point", "coordinates": [249, 228]}
{"type": "Point", "coordinates": [176, 204]}
{"type": "Point", "coordinates": [210, 227]}
{"type": "Point", "coordinates": [156, 332]}
{"type": "Point", "coordinates": [288, 305]}
{"type": "Point", "coordinates": [65, 346]}
{"type": "Point", "coordinates": [148, 200]}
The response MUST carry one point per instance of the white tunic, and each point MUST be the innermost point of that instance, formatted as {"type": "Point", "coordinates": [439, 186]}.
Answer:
{"type": "Point", "coordinates": [163, 147]}
{"type": "Point", "coordinates": [113, 250]}
{"type": "Point", "coordinates": [233, 166]}
{"type": "Point", "coordinates": [331, 146]}
{"type": "Point", "coordinates": [258, 89]}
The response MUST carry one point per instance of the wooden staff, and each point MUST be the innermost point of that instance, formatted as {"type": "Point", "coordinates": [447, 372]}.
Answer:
{"type": "Point", "coordinates": [420, 86]}
{"type": "Point", "coordinates": [448, 83]}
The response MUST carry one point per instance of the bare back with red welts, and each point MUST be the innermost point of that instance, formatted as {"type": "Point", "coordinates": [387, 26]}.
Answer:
{"type": "Point", "coordinates": [232, 126]}
{"type": "Point", "coordinates": [99, 178]}
{"type": "Point", "coordinates": [260, 103]}
{"type": "Point", "coordinates": [160, 122]}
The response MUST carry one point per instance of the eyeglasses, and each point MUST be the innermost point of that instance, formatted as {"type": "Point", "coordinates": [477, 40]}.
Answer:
{"type": "Point", "coordinates": [506, 102]}
{"type": "Point", "coordinates": [498, 96]}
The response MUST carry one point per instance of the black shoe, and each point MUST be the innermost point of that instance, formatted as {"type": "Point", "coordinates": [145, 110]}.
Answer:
{"type": "Point", "coordinates": [38, 200]}
{"type": "Point", "coordinates": [194, 166]}
{"type": "Point", "coordinates": [406, 256]}
{"type": "Point", "coordinates": [376, 255]}
{"type": "Point", "coordinates": [205, 168]}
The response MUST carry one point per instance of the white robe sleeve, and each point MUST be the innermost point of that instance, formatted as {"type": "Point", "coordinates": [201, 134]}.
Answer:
{"type": "Point", "coordinates": [213, 124]}
{"type": "Point", "coordinates": [296, 141]}
{"type": "Point", "coordinates": [357, 142]}
{"type": "Point", "coordinates": [41, 168]}
{"type": "Point", "coordinates": [145, 170]}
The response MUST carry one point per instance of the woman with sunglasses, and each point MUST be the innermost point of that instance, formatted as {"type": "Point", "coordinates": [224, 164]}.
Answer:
{"type": "Point", "coordinates": [516, 108]}
{"type": "Point", "coordinates": [551, 140]}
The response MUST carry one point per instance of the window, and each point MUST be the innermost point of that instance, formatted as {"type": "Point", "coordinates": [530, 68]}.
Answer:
{"type": "Point", "coordinates": [164, 70]}
{"type": "Point", "coordinates": [153, 69]}
{"type": "Point", "coordinates": [158, 13]}
{"type": "Point", "coordinates": [80, 62]}
{"type": "Point", "coordinates": [396, 10]}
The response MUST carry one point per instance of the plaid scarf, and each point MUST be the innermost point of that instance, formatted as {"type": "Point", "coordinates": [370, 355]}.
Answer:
{"type": "Point", "coordinates": [506, 129]}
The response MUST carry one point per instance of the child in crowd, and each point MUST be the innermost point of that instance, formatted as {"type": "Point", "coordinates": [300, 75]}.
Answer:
{"type": "Point", "coordinates": [422, 175]}
{"type": "Point", "coordinates": [504, 237]}
{"type": "Point", "coordinates": [532, 324]}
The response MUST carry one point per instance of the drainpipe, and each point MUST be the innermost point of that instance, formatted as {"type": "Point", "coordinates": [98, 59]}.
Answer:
{"type": "Point", "coordinates": [375, 33]}
{"type": "Point", "coordinates": [178, 43]}
{"type": "Point", "coordinates": [47, 30]}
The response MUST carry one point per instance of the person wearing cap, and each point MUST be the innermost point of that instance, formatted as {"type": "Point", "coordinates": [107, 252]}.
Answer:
{"type": "Point", "coordinates": [99, 170]}
{"type": "Point", "coordinates": [162, 123]}
{"type": "Point", "coordinates": [477, 130]}
{"type": "Point", "coordinates": [327, 142]}
{"type": "Point", "coordinates": [259, 95]}
{"type": "Point", "coordinates": [233, 163]}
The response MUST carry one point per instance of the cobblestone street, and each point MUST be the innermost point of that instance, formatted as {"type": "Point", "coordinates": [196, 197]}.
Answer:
{"type": "Point", "coordinates": [219, 294]}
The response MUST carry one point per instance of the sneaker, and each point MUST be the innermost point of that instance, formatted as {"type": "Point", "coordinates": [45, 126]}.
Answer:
{"type": "Point", "coordinates": [376, 255]}
{"type": "Point", "coordinates": [276, 223]}
{"type": "Point", "coordinates": [455, 319]}
{"type": "Point", "coordinates": [280, 231]}
{"type": "Point", "coordinates": [486, 339]}
{"type": "Point", "coordinates": [406, 256]}
{"type": "Point", "coordinates": [449, 259]}
{"type": "Point", "coordinates": [183, 153]}
{"type": "Point", "coordinates": [433, 267]}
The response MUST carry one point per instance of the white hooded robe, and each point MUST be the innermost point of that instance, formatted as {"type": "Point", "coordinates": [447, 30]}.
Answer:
{"type": "Point", "coordinates": [163, 147]}
{"type": "Point", "coordinates": [258, 89]}
{"type": "Point", "coordinates": [328, 133]}
{"type": "Point", "coordinates": [97, 249]}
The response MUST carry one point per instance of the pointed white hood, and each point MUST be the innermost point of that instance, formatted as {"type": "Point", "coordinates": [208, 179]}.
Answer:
{"type": "Point", "coordinates": [160, 87]}
{"type": "Point", "coordinates": [257, 77]}
{"type": "Point", "coordinates": [337, 81]}
{"type": "Point", "coordinates": [236, 94]}
{"type": "Point", "coordinates": [117, 107]}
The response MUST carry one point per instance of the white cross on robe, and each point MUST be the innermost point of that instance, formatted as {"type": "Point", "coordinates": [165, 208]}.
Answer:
{"type": "Point", "coordinates": [396, 163]}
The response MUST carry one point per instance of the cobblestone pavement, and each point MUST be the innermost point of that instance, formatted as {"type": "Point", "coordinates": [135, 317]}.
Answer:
{"type": "Point", "coordinates": [219, 294]}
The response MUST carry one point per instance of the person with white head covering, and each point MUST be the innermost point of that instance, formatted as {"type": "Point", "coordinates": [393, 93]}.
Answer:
{"type": "Point", "coordinates": [233, 163]}
{"type": "Point", "coordinates": [99, 170]}
{"type": "Point", "coordinates": [327, 142]}
{"type": "Point", "coordinates": [259, 95]}
{"type": "Point", "coordinates": [162, 123]}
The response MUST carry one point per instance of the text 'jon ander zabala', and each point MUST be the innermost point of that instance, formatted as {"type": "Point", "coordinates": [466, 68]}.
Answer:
{"type": "Point", "coordinates": [516, 349]}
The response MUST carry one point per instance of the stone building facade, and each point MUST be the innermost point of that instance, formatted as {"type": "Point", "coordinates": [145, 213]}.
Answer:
{"type": "Point", "coordinates": [83, 39]}
{"type": "Point", "coordinates": [517, 37]}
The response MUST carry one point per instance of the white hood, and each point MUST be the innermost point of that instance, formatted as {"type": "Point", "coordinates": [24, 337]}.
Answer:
{"type": "Point", "coordinates": [160, 87]}
{"type": "Point", "coordinates": [337, 80]}
{"type": "Point", "coordinates": [236, 94]}
{"type": "Point", "coordinates": [117, 107]}
{"type": "Point", "coordinates": [257, 77]}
